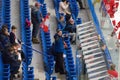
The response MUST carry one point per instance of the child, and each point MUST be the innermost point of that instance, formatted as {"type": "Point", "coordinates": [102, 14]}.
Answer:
{"type": "Point", "coordinates": [12, 35]}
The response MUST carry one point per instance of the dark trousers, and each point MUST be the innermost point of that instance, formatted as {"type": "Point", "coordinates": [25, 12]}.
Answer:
{"type": "Point", "coordinates": [80, 3]}
{"type": "Point", "coordinates": [59, 65]}
{"type": "Point", "coordinates": [35, 30]}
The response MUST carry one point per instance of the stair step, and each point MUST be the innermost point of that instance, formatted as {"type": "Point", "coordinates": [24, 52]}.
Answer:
{"type": "Point", "coordinates": [96, 73]}
{"type": "Point", "coordinates": [85, 28]}
{"type": "Point", "coordinates": [89, 46]}
{"type": "Point", "coordinates": [90, 42]}
{"type": "Point", "coordinates": [86, 23]}
{"type": "Point", "coordinates": [94, 54]}
{"type": "Point", "coordinates": [93, 64]}
{"type": "Point", "coordinates": [89, 38]}
{"type": "Point", "coordinates": [93, 59]}
{"type": "Point", "coordinates": [95, 68]}
{"type": "Point", "coordinates": [82, 36]}
{"type": "Point", "coordinates": [85, 31]}
{"type": "Point", "coordinates": [89, 51]}
{"type": "Point", "coordinates": [100, 77]}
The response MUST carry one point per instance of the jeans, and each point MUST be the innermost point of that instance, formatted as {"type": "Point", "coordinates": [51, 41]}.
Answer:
{"type": "Point", "coordinates": [35, 30]}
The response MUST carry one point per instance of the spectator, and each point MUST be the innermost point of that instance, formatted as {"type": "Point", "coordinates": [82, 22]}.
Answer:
{"type": "Point", "coordinates": [70, 26]}
{"type": "Point", "coordinates": [62, 22]}
{"type": "Point", "coordinates": [112, 72]}
{"type": "Point", "coordinates": [12, 35]}
{"type": "Point", "coordinates": [4, 37]}
{"type": "Point", "coordinates": [80, 4]}
{"type": "Point", "coordinates": [36, 18]}
{"type": "Point", "coordinates": [59, 51]}
{"type": "Point", "coordinates": [63, 6]}
{"type": "Point", "coordinates": [15, 64]}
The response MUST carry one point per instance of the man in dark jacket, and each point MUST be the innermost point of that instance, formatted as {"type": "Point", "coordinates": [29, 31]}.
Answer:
{"type": "Point", "coordinates": [59, 51]}
{"type": "Point", "coordinates": [4, 38]}
{"type": "Point", "coordinates": [36, 18]}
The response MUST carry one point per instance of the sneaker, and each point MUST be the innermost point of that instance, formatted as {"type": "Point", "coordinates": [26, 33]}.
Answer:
{"type": "Point", "coordinates": [35, 41]}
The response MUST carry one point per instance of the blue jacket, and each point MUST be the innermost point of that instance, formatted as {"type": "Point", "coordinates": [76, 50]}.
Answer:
{"type": "Point", "coordinates": [59, 44]}
{"type": "Point", "coordinates": [36, 15]}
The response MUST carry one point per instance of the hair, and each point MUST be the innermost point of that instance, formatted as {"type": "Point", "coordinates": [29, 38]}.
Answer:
{"type": "Point", "coordinates": [63, 0]}
{"type": "Point", "coordinates": [4, 28]}
{"type": "Point", "coordinates": [61, 16]}
{"type": "Point", "coordinates": [112, 67]}
{"type": "Point", "coordinates": [58, 30]}
{"type": "Point", "coordinates": [15, 44]}
{"type": "Point", "coordinates": [13, 27]}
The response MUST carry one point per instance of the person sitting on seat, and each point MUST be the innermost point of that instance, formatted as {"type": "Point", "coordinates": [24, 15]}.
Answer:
{"type": "Point", "coordinates": [62, 22]}
{"type": "Point", "coordinates": [4, 37]}
{"type": "Point", "coordinates": [63, 6]}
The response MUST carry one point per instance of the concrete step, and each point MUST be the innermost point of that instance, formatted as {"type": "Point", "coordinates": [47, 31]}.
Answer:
{"type": "Point", "coordinates": [85, 28]}
{"type": "Point", "coordinates": [86, 23]}
{"type": "Point", "coordinates": [95, 68]}
{"type": "Point", "coordinates": [90, 55]}
{"type": "Point", "coordinates": [93, 64]}
{"type": "Point", "coordinates": [90, 51]}
{"type": "Point", "coordinates": [93, 59]}
{"type": "Point", "coordinates": [89, 46]}
{"type": "Point", "coordinates": [100, 77]}
{"type": "Point", "coordinates": [86, 35]}
{"type": "Point", "coordinates": [89, 38]}
{"type": "Point", "coordinates": [96, 73]}
{"type": "Point", "coordinates": [88, 43]}
{"type": "Point", "coordinates": [86, 31]}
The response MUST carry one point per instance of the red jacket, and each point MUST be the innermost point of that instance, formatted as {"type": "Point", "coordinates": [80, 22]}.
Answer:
{"type": "Point", "coordinates": [113, 73]}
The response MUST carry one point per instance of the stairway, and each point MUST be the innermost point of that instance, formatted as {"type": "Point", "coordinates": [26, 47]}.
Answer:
{"type": "Point", "coordinates": [93, 56]}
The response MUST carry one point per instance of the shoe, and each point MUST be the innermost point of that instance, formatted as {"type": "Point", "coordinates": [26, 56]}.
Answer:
{"type": "Point", "coordinates": [73, 42]}
{"type": "Point", "coordinates": [35, 41]}
{"type": "Point", "coordinates": [82, 8]}
{"type": "Point", "coordinates": [63, 72]}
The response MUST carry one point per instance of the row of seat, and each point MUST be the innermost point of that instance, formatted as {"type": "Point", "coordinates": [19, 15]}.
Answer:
{"type": "Point", "coordinates": [28, 72]}
{"type": "Point", "coordinates": [48, 60]}
{"type": "Point", "coordinates": [69, 62]}
{"type": "Point", "coordinates": [74, 8]}
{"type": "Point", "coordinates": [5, 18]}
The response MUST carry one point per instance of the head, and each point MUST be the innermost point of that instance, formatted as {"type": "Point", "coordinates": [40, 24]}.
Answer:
{"type": "Point", "coordinates": [4, 30]}
{"type": "Point", "coordinates": [37, 5]}
{"type": "Point", "coordinates": [61, 18]}
{"type": "Point", "coordinates": [15, 47]}
{"type": "Point", "coordinates": [112, 67]}
{"type": "Point", "coordinates": [59, 32]}
{"type": "Point", "coordinates": [13, 29]}
{"type": "Point", "coordinates": [64, 0]}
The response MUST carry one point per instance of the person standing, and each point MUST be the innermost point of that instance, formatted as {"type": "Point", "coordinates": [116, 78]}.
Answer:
{"type": "Point", "coordinates": [12, 35]}
{"type": "Point", "coordinates": [36, 19]}
{"type": "Point", "coordinates": [59, 51]}
{"type": "Point", "coordinates": [80, 4]}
